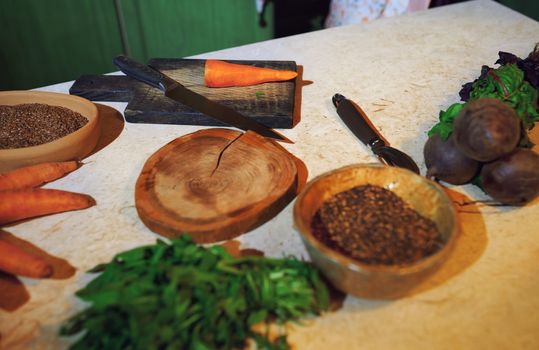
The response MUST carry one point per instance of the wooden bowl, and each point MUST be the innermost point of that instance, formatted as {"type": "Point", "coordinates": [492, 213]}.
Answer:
{"type": "Point", "coordinates": [75, 145]}
{"type": "Point", "coordinates": [366, 280]}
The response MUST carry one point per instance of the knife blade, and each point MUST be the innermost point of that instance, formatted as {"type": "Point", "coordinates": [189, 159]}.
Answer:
{"type": "Point", "coordinates": [180, 93]}
{"type": "Point", "coordinates": [360, 125]}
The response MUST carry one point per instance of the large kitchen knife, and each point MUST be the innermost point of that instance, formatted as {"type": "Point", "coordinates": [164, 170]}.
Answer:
{"type": "Point", "coordinates": [180, 93]}
{"type": "Point", "coordinates": [358, 122]}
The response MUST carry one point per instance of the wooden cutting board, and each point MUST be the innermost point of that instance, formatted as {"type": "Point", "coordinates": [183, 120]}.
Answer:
{"type": "Point", "coordinates": [216, 184]}
{"type": "Point", "coordinates": [271, 103]}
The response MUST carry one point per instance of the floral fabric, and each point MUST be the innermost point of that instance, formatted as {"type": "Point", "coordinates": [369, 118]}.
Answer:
{"type": "Point", "coordinates": [343, 12]}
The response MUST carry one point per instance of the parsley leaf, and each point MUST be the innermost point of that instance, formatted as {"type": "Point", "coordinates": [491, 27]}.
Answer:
{"type": "Point", "coordinates": [184, 296]}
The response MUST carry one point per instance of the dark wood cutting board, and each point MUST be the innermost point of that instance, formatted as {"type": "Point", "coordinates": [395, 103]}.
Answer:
{"type": "Point", "coordinates": [271, 103]}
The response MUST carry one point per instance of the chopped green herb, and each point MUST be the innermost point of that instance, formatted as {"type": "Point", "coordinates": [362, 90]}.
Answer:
{"type": "Point", "coordinates": [259, 94]}
{"type": "Point", "coordinates": [184, 296]}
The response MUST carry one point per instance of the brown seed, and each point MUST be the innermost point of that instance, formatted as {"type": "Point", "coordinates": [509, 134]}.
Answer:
{"type": "Point", "coordinates": [34, 124]}
{"type": "Point", "coordinates": [375, 226]}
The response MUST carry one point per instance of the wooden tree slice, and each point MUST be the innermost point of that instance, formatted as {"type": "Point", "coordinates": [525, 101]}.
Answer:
{"type": "Point", "coordinates": [214, 184]}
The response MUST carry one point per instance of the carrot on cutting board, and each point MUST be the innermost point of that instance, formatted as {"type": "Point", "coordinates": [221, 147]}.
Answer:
{"type": "Point", "coordinates": [223, 74]}
{"type": "Point", "coordinates": [23, 204]}
{"type": "Point", "coordinates": [18, 262]}
{"type": "Point", "coordinates": [36, 175]}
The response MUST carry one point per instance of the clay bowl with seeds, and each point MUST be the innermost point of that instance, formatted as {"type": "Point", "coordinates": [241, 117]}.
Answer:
{"type": "Point", "coordinates": [38, 126]}
{"type": "Point", "coordinates": [376, 231]}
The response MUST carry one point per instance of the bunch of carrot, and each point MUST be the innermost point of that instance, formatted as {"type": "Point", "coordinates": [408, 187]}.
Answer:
{"type": "Point", "coordinates": [22, 198]}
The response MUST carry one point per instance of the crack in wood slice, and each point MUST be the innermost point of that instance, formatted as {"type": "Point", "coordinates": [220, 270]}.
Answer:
{"type": "Point", "coordinates": [223, 151]}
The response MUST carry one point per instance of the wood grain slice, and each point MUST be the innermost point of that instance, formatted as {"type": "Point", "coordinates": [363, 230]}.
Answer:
{"type": "Point", "coordinates": [215, 184]}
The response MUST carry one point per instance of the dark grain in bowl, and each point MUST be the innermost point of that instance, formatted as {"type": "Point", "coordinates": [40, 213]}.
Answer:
{"type": "Point", "coordinates": [375, 226]}
{"type": "Point", "coordinates": [75, 145]}
{"type": "Point", "coordinates": [376, 281]}
{"type": "Point", "coordinates": [33, 124]}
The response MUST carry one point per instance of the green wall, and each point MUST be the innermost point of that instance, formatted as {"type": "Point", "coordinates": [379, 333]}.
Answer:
{"type": "Point", "coordinates": [171, 28]}
{"type": "Point", "coordinates": [529, 8]}
{"type": "Point", "coordinates": [44, 42]}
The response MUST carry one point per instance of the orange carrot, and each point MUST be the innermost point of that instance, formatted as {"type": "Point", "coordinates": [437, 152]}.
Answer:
{"type": "Point", "coordinates": [22, 204]}
{"type": "Point", "coordinates": [224, 74]}
{"type": "Point", "coordinates": [18, 262]}
{"type": "Point", "coordinates": [36, 175]}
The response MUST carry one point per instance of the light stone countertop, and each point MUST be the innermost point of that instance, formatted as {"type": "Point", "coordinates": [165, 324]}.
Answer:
{"type": "Point", "coordinates": [402, 71]}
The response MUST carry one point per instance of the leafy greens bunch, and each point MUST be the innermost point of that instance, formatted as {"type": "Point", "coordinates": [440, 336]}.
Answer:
{"type": "Point", "coordinates": [507, 84]}
{"type": "Point", "coordinates": [485, 140]}
{"type": "Point", "coordinates": [184, 296]}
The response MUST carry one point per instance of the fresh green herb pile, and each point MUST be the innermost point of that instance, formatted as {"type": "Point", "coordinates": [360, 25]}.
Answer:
{"type": "Point", "coordinates": [184, 296]}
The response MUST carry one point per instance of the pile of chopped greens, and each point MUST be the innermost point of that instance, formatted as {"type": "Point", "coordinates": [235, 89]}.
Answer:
{"type": "Point", "coordinates": [184, 296]}
{"type": "Point", "coordinates": [515, 82]}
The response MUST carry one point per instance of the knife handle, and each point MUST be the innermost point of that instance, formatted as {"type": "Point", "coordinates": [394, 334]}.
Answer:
{"type": "Point", "coordinates": [139, 71]}
{"type": "Point", "coordinates": [357, 121]}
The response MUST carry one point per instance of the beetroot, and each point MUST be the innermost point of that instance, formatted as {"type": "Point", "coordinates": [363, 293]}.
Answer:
{"type": "Point", "coordinates": [445, 162]}
{"type": "Point", "coordinates": [486, 129]}
{"type": "Point", "coordinates": [514, 178]}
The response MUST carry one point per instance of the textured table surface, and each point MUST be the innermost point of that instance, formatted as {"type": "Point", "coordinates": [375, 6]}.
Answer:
{"type": "Point", "coordinates": [402, 71]}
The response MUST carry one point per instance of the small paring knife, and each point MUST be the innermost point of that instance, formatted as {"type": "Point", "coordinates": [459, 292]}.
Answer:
{"type": "Point", "coordinates": [357, 121]}
{"type": "Point", "coordinates": [180, 93]}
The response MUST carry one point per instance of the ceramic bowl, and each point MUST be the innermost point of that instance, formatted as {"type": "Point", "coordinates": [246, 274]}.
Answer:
{"type": "Point", "coordinates": [75, 145]}
{"type": "Point", "coordinates": [367, 280]}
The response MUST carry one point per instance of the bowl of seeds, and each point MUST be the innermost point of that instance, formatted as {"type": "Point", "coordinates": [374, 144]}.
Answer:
{"type": "Point", "coordinates": [375, 231]}
{"type": "Point", "coordinates": [38, 126]}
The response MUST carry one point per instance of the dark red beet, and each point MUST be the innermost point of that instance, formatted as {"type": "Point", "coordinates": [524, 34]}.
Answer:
{"type": "Point", "coordinates": [486, 129]}
{"type": "Point", "coordinates": [445, 162]}
{"type": "Point", "coordinates": [514, 178]}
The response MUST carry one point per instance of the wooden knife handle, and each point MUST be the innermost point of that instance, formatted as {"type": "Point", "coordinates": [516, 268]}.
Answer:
{"type": "Point", "coordinates": [357, 121]}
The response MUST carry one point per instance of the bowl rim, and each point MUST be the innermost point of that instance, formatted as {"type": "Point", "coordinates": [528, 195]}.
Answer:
{"type": "Point", "coordinates": [356, 265]}
{"type": "Point", "coordinates": [92, 119]}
